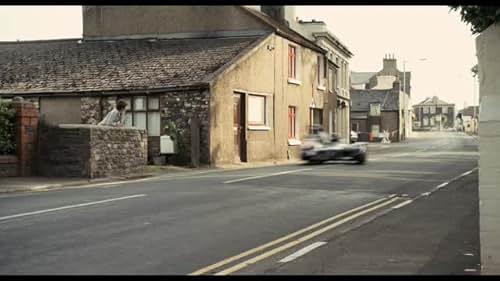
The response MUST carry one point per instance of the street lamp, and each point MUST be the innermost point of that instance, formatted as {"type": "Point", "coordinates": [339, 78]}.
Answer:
{"type": "Point", "coordinates": [404, 90]}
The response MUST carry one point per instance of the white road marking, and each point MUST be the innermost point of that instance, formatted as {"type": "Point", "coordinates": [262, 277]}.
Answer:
{"type": "Point", "coordinates": [442, 185]}
{"type": "Point", "coordinates": [468, 254]}
{"type": "Point", "coordinates": [466, 173]}
{"type": "Point", "coordinates": [302, 252]}
{"type": "Point", "coordinates": [289, 236]}
{"type": "Point", "coordinates": [69, 207]}
{"type": "Point", "coordinates": [426, 194]}
{"type": "Point", "coordinates": [402, 204]}
{"type": "Point", "coordinates": [269, 175]}
{"type": "Point", "coordinates": [470, 270]}
{"type": "Point", "coordinates": [300, 240]}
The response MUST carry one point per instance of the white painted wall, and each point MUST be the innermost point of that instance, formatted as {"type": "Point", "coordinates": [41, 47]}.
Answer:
{"type": "Point", "coordinates": [488, 53]}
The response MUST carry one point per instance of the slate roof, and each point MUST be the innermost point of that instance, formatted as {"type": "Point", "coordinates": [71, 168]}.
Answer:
{"type": "Point", "coordinates": [469, 111]}
{"type": "Point", "coordinates": [433, 101]}
{"type": "Point", "coordinates": [75, 66]}
{"type": "Point", "coordinates": [361, 77]}
{"type": "Point", "coordinates": [361, 99]}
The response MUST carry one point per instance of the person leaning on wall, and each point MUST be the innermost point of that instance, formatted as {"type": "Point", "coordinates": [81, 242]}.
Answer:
{"type": "Point", "coordinates": [116, 117]}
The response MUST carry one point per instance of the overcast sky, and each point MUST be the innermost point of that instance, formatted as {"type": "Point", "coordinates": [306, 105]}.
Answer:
{"type": "Point", "coordinates": [411, 33]}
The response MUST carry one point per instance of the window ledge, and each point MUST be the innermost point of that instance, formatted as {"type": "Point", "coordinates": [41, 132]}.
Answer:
{"type": "Point", "coordinates": [292, 142]}
{"type": "Point", "coordinates": [258, 128]}
{"type": "Point", "coordinates": [321, 88]}
{"type": "Point", "coordinates": [294, 81]}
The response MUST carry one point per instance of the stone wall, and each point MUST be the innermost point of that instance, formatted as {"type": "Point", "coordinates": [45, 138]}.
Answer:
{"type": "Point", "coordinates": [181, 108]}
{"type": "Point", "coordinates": [91, 151]}
{"type": "Point", "coordinates": [117, 151]}
{"type": "Point", "coordinates": [91, 110]}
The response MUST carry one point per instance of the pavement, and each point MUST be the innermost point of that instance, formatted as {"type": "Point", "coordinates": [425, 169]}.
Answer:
{"type": "Point", "coordinates": [410, 209]}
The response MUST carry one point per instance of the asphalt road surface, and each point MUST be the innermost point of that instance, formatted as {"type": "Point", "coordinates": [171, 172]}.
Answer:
{"type": "Point", "coordinates": [336, 218]}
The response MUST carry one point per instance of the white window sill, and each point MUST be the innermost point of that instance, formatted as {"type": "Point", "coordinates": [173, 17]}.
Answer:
{"type": "Point", "coordinates": [293, 142]}
{"type": "Point", "coordinates": [258, 128]}
{"type": "Point", "coordinates": [321, 88]}
{"type": "Point", "coordinates": [293, 81]}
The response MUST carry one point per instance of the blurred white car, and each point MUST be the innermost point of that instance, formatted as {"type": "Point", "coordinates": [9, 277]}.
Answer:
{"type": "Point", "coordinates": [354, 136]}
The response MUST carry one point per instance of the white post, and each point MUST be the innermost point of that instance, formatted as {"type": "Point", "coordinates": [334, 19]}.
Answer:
{"type": "Point", "coordinates": [404, 76]}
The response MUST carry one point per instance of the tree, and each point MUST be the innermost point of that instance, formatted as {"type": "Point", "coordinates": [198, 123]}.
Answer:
{"type": "Point", "coordinates": [475, 71]}
{"type": "Point", "coordinates": [479, 17]}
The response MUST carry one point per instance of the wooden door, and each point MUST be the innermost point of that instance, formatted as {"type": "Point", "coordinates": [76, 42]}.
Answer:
{"type": "Point", "coordinates": [238, 127]}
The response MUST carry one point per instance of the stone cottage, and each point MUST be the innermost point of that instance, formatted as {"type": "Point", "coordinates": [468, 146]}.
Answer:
{"type": "Point", "coordinates": [376, 111]}
{"type": "Point", "coordinates": [247, 79]}
{"type": "Point", "coordinates": [381, 101]}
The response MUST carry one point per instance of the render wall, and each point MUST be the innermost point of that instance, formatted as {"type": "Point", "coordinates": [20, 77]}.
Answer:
{"type": "Point", "coordinates": [488, 53]}
{"type": "Point", "coordinates": [60, 110]}
{"type": "Point", "coordinates": [265, 71]}
{"type": "Point", "coordinates": [111, 21]}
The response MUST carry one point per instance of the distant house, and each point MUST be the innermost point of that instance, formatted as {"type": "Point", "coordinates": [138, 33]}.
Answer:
{"type": "Point", "coordinates": [246, 79]}
{"type": "Point", "coordinates": [433, 113]}
{"type": "Point", "coordinates": [378, 111]}
{"type": "Point", "coordinates": [379, 102]}
{"type": "Point", "coordinates": [468, 119]}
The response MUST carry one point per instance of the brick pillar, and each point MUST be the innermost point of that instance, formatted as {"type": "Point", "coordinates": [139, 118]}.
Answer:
{"type": "Point", "coordinates": [27, 117]}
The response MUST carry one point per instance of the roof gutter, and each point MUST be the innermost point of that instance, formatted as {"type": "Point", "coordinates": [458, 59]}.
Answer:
{"type": "Point", "coordinates": [66, 93]}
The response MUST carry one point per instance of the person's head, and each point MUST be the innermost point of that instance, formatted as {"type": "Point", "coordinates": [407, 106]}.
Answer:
{"type": "Point", "coordinates": [121, 105]}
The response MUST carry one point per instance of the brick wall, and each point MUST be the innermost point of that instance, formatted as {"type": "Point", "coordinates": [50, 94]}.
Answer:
{"type": "Point", "coordinates": [91, 151]}
{"type": "Point", "coordinates": [8, 166]}
{"type": "Point", "coordinates": [27, 117]}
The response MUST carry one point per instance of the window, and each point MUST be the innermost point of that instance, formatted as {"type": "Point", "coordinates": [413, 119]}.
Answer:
{"type": "Point", "coordinates": [315, 119]}
{"type": "Point", "coordinates": [355, 127]}
{"type": "Point", "coordinates": [144, 113]}
{"type": "Point", "coordinates": [321, 71]}
{"type": "Point", "coordinates": [256, 110]}
{"type": "Point", "coordinates": [375, 109]}
{"type": "Point", "coordinates": [375, 130]}
{"type": "Point", "coordinates": [432, 110]}
{"type": "Point", "coordinates": [292, 62]}
{"type": "Point", "coordinates": [432, 121]}
{"type": "Point", "coordinates": [292, 134]}
{"type": "Point", "coordinates": [445, 109]}
{"type": "Point", "coordinates": [426, 109]}
{"type": "Point", "coordinates": [331, 79]}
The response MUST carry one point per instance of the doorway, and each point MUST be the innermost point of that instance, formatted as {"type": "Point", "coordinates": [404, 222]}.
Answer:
{"type": "Point", "coordinates": [239, 127]}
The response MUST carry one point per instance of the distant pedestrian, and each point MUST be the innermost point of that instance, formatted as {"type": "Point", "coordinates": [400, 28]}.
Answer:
{"type": "Point", "coordinates": [115, 117]}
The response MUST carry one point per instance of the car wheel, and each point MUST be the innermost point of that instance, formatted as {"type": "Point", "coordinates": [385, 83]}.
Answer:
{"type": "Point", "coordinates": [360, 159]}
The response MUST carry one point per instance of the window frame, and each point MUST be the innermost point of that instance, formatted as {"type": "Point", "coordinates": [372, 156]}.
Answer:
{"type": "Point", "coordinates": [292, 122]}
{"type": "Point", "coordinates": [378, 113]}
{"type": "Point", "coordinates": [292, 61]}
{"type": "Point", "coordinates": [264, 111]}
{"type": "Point", "coordinates": [146, 110]}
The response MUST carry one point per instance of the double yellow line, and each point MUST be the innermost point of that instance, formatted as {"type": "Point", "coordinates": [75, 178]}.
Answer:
{"type": "Point", "coordinates": [349, 215]}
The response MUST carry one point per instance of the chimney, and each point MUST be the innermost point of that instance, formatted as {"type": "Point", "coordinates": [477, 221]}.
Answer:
{"type": "Point", "coordinates": [389, 62]}
{"type": "Point", "coordinates": [275, 12]}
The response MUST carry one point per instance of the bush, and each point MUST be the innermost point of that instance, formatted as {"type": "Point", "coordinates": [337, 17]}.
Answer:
{"type": "Point", "coordinates": [7, 134]}
{"type": "Point", "coordinates": [479, 17]}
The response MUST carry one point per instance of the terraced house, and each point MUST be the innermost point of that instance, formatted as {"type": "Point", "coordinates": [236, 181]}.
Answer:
{"type": "Point", "coordinates": [247, 80]}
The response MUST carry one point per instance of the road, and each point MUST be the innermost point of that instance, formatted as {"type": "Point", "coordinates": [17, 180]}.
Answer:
{"type": "Point", "coordinates": [242, 221]}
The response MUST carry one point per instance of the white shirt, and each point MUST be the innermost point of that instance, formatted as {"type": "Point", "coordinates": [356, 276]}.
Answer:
{"type": "Point", "coordinates": [114, 118]}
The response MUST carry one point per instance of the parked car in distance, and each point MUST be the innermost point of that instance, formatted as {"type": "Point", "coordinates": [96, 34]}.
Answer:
{"type": "Point", "coordinates": [354, 136]}
{"type": "Point", "coordinates": [319, 148]}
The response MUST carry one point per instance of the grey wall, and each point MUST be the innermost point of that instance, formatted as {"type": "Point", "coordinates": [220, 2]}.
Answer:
{"type": "Point", "coordinates": [60, 110]}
